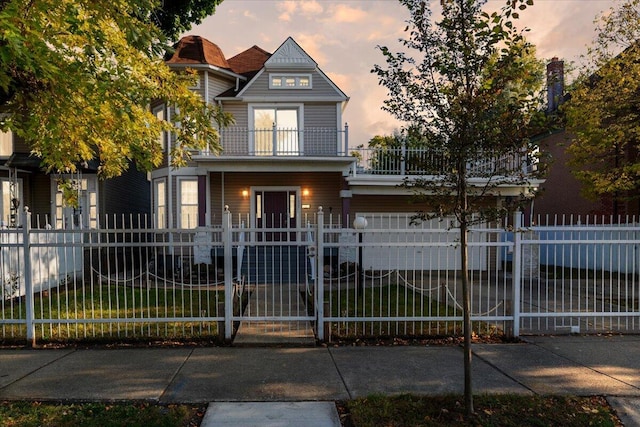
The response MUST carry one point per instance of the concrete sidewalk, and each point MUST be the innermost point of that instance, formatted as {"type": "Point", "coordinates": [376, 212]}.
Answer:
{"type": "Point", "coordinates": [290, 378]}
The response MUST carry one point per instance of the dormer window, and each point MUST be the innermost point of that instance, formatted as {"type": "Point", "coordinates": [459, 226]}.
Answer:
{"type": "Point", "coordinates": [290, 81]}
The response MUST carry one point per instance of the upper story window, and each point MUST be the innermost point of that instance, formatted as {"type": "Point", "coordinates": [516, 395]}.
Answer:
{"type": "Point", "coordinates": [289, 81]}
{"type": "Point", "coordinates": [6, 144]}
{"type": "Point", "coordinates": [160, 114]}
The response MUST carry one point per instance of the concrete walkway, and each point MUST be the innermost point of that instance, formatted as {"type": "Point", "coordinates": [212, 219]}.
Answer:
{"type": "Point", "coordinates": [238, 382]}
{"type": "Point", "coordinates": [275, 301]}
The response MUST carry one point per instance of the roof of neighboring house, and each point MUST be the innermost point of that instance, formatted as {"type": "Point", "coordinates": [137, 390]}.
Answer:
{"type": "Point", "coordinates": [198, 50]}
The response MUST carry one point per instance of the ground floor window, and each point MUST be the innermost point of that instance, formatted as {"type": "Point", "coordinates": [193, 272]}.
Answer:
{"type": "Point", "coordinates": [160, 203]}
{"type": "Point", "coordinates": [81, 213]}
{"type": "Point", "coordinates": [188, 202]}
{"type": "Point", "coordinates": [10, 202]}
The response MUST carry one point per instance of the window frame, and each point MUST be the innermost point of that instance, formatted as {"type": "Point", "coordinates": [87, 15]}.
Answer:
{"type": "Point", "coordinates": [297, 79]}
{"type": "Point", "coordinates": [192, 222]}
{"type": "Point", "coordinates": [160, 223]}
{"type": "Point", "coordinates": [5, 220]}
{"type": "Point", "coordinates": [162, 138]}
{"type": "Point", "coordinates": [297, 107]}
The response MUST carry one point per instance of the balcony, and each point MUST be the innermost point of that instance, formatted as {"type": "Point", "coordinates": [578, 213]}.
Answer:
{"type": "Point", "coordinates": [279, 142]}
{"type": "Point", "coordinates": [403, 161]}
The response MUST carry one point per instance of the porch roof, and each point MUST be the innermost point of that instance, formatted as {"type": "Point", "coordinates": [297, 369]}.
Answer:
{"type": "Point", "coordinates": [286, 164]}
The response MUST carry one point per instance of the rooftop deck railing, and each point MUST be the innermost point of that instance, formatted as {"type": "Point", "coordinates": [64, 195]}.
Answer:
{"type": "Point", "coordinates": [425, 161]}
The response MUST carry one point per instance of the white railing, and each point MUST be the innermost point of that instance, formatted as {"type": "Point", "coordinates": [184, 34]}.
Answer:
{"type": "Point", "coordinates": [391, 278]}
{"type": "Point", "coordinates": [423, 161]}
{"type": "Point", "coordinates": [310, 141]}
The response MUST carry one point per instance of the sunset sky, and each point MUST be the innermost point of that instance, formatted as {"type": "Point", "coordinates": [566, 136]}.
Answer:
{"type": "Point", "coordinates": [342, 37]}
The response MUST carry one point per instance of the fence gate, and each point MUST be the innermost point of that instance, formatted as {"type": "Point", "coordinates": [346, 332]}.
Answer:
{"type": "Point", "coordinates": [274, 287]}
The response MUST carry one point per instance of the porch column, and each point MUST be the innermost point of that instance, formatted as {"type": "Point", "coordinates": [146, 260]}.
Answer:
{"type": "Point", "coordinates": [345, 197]}
{"type": "Point", "coordinates": [202, 200]}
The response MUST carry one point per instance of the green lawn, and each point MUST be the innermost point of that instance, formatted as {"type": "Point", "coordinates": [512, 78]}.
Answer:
{"type": "Point", "coordinates": [393, 301]}
{"type": "Point", "coordinates": [130, 304]}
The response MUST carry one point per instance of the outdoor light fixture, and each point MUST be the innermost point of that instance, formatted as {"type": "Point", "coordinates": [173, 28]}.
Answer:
{"type": "Point", "coordinates": [305, 192]}
{"type": "Point", "coordinates": [360, 223]}
{"type": "Point", "coordinates": [245, 193]}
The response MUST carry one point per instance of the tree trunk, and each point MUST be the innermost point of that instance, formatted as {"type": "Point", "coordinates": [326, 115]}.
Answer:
{"type": "Point", "coordinates": [466, 307]}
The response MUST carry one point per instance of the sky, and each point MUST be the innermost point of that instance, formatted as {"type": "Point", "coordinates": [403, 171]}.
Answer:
{"type": "Point", "coordinates": [341, 36]}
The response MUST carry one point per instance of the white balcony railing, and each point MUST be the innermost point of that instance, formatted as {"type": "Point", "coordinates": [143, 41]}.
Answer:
{"type": "Point", "coordinates": [422, 161]}
{"type": "Point", "coordinates": [311, 141]}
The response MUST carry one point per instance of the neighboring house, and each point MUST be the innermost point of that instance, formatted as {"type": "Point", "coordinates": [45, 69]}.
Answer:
{"type": "Point", "coordinates": [288, 152]}
{"type": "Point", "coordinates": [561, 193]}
{"type": "Point", "coordinates": [25, 184]}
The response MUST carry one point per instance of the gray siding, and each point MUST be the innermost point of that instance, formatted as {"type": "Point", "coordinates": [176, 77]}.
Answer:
{"type": "Point", "coordinates": [321, 87]}
{"type": "Point", "coordinates": [239, 112]}
{"type": "Point", "coordinates": [218, 86]}
{"type": "Point", "coordinates": [320, 115]}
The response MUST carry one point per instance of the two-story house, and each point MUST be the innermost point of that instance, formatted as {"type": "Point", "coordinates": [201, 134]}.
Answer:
{"type": "Point", "coordinates": [286, 154]}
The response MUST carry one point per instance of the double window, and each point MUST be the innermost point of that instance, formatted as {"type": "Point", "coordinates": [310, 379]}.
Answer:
{"type": "Point", "coordinates": [85, 213]}
{"type": "Point", "coordinates": [276, 130]}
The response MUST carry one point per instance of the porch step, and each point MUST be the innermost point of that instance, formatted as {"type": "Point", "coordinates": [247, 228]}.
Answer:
{"type": "Point", "coordinates": [274, 301]}
{"type": "Point", "coordinates": [286, 264]}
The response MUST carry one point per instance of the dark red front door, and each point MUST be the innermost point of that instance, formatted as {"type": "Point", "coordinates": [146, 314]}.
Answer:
{"type": "Point", "coordinates": [276, 214]}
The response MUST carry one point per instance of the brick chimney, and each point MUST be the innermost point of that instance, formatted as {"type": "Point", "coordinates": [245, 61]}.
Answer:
{"type": "Point", "coordinates": [555, 84]}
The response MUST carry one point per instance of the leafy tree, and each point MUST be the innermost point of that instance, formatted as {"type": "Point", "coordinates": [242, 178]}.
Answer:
{"type": "Point", "coordinates": [471, 85]}
{"type": "Point", "coordinates": [176, 16]}
{"type": "Point", "coordinates": [77, 78]}
{"type": "Point", "coordinates": [603, 110]}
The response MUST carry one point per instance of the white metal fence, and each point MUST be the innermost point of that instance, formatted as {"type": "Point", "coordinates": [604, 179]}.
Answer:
{"type": "Point", "coordinates": [392, 278]}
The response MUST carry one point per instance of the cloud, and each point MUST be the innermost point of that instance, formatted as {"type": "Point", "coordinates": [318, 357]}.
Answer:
{"type": "Point", "coordinates": [312, 7]}
{"type": "Point", "coordinates": [343, 81]}
{"type": "Point", "coordinates": [313, 45]}
{"type": "Point", "coordinates": [248, 14]}
{"type": "Point", "coordinates": [306, 8]}
{"type": "Point", "coordinates": [287, 8]}
{"type": "Point", "coordinates": [345, 13]}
